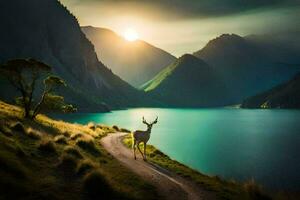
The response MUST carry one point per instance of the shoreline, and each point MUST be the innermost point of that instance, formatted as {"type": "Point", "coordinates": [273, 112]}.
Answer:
{"type": "Point", "coordinates": [228, 189]}
{"type": "Point", "coordinates": [63, 136]}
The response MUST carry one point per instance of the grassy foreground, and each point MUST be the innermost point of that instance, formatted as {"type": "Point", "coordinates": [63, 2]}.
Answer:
{"type": "Point", "coordinates": [224, 189]}
{"type": "Point", "coordinates": [48, 159]}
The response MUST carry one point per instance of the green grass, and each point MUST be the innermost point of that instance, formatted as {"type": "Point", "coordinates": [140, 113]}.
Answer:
{"type": "Point", "coordinates": [50, 159]}
{"type": "Point", "coordinates": [161, 76]}
{"type": "Point", "coordinates": [88, 145]}
{"type": "Point", "coordinates": [73, 151]}
{"type": "Point", "coordinates": [223, 189]}
{"type": "Point", "coordinates": [40, 160]}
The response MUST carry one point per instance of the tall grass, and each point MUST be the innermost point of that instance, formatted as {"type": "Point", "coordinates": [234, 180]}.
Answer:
{"type": "Point", "coordinates": [41, 160]}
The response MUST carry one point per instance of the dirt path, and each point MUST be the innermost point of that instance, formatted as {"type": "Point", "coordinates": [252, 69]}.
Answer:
{"type": "Point", "coordinates": [169, 185]}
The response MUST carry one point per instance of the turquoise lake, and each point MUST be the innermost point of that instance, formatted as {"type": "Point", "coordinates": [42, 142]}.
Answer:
{"type": "Point", "coordinates": [233, 143]}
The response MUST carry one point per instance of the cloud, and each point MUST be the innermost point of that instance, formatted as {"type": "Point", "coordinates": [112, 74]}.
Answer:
{"type": "Point", "coordinates": [181, 26]}
{"type": "Point", "coordinates": [180, 9]}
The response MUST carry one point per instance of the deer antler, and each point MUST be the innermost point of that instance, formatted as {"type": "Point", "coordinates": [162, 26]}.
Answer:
{"type": "Point", "coordinates": [144, 121]}
{"type": "Point", "coordinates": [155, 121]}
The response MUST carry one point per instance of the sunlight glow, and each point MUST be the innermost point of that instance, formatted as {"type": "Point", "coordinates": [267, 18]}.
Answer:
{"type": "Point", "coordinates": [130, 35]}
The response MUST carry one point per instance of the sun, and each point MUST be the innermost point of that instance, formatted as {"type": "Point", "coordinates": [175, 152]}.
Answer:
{"type": "Point", "coordinates": [131, 35]}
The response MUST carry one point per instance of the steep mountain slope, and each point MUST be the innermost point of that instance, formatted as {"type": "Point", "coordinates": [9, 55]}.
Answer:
{"type": "Point", "coordinates": [47, 31]}
{"type": "Point", "coordinates": [286, 95]}
{"type": "Point", "coordinates": [136, 62]}
{"type": "Point", "coordinates": [251, 64]}
{"type": "Point", "coordinates": [188, 82]}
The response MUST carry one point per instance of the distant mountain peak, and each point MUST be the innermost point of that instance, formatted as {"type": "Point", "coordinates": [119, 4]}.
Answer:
{"type": "Point", "coordinates": [188, 82]}
{"type": "Point", "coordinates": [136, 62]}
{"type": "Point", "coordinates": [95, 29]}
{"type": "Point", "coordinates": [226, 39]}
{"type": "Point", "coordinates": [230, 35]}
{"type": "Point", "coordinates": [187, 56]}
{"type": "Point", "coordinates": [47, 31]}
{"type": "Point", "coordinates": [250, 64]}
{"type": "Point", "coordinates": [190, 59]}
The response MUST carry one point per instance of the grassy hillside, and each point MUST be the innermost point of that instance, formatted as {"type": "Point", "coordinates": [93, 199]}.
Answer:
{"type": "Point", "coordinates": [188, 82]}
{"type": "Point", "coordinates": [160, 77]}
{"type": "Point", "coordinates": [49, 159]}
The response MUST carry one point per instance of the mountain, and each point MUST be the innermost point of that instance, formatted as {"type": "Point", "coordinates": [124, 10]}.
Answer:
{"type": "Point", "coordinates": [188, 82]}
{"type": "Point", "coordinates": [47, 31]}
{"type": "Point", "coordinates": [286, 95]}
{"type": "Point", "coordinates": [136, 62]}
{"type": "Point", "coordinates": [251, 64]}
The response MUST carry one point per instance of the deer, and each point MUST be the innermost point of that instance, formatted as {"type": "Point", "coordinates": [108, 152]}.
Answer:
{"type": "Point", "coordinates": [139, 136]}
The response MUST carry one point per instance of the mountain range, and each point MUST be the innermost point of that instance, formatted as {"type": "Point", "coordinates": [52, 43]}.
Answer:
{"type": "Point", "coordinates": [227, 70]}
{"type": "Point", "coordinates": [188, 82]}
{"type": "Point", "coordinates": [47, 31]}
{"type": "Point", "coordinates": [135, 61]}
{"type": "Point", "coordinates": [286, 95]}
{"type": "Point", "coordinates": [251, 64]}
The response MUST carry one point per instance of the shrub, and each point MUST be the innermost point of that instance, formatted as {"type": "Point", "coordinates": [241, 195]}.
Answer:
{"type": "Point", "coordinates": [85, 166]}
{"type": "Point", "coordinates": [95, 185]}
{"type": "Point", "coordinates": [47, 146]}
{"type": "Point", "coordinates": [66, 133]}
{"type": "Point", "coordinates": [99, 133]}
{"type": "Point", "coordinates": [6, 131]}
{"type": "Point", "coordinates": [33, 134]}
{"type": "Point", "coordinates": [60, 139]}
{"type": "Point", "coordinates": [87, 145]}
{"type": "Point", "coordinates": [18, 126]}
{"type": "Point", "coordinates": [91, 126]}
{"type": "Point", "coordinates": [116, 127]}
{"type": "Point", "coordinates": [74, 136]}
{"type": "Point", "coordinates": [151, 155]}
{"type": "Point", "coordinates": [73, 151]}
{"type": "Point", "coordinates": [158, 152]}
{"type": "Point", "coordinates": [99, 126]}
{"type": "Point", "coordinates": [125, 130]}
{"type": "Point", "coordinates": [68, 164]}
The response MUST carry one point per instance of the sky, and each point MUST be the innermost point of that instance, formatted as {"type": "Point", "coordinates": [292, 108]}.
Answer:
{"type": "Point", "coordinates": [185, 26]}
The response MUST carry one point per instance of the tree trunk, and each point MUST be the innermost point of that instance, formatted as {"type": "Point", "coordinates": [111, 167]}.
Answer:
{"type": "Point", "coordinates": [26, 104]}
{"type": "Point", "coordinates": [27, 111]}
{"type": "Point", "coordinates": [38, 106]}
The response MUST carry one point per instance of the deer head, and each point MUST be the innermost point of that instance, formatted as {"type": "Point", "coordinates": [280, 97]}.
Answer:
{"type": "Point", "coordinates": [149, 125]}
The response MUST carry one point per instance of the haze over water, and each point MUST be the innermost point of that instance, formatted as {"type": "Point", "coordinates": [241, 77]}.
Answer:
{"type": "Point", "coordinates": [232, 143]}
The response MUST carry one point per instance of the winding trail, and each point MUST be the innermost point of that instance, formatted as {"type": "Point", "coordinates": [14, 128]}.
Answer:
{"type": "Point", "coordinates": [169, 185]}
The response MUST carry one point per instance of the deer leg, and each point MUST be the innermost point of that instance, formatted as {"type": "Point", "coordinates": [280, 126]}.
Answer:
{"type": "Point", "coordinates": [134, 148]}
{"type": "Point", "coordinates": [145, 146]}
{"type": "Point", "coordinates": [138, 146]}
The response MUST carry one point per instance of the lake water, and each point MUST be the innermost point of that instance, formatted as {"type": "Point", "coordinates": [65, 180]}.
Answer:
{"type": "Point", "coordinates": [232, 143]}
